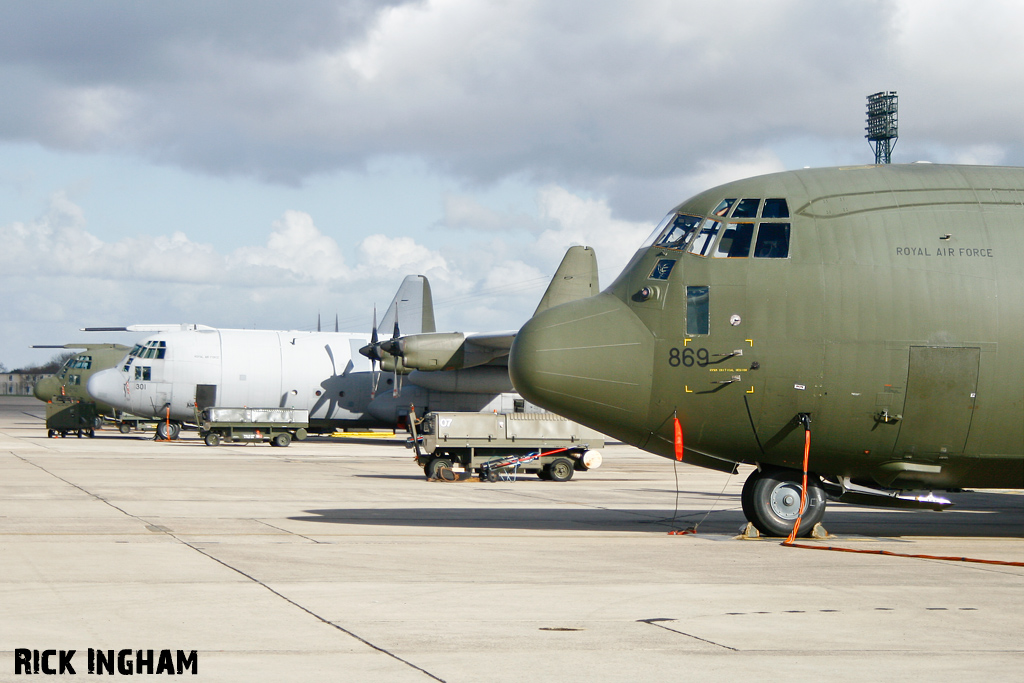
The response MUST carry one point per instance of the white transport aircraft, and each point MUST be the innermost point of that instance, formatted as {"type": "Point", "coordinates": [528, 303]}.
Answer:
{"type": "Point", "coordinates": [184, 368]}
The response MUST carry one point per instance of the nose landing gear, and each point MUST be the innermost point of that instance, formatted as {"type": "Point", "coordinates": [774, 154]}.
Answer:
{"type": "Point", "coordinates": [771, 501]}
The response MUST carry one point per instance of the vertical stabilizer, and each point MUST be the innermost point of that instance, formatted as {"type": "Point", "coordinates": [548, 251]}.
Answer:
{"type": "Point", "coordinates": [414, 305]}
{"type": "Point", "coordinates": [576, 278]}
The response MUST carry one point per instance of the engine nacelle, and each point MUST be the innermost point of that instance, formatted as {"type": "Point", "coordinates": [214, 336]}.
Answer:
{"type": "Point", "coordinates": [434, 351]}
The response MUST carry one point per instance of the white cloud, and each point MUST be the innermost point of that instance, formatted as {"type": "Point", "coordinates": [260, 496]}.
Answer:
{"type": "Point", "coordinates": [297, 250]}
{"type": "Point", "coordinates": [573, 220]}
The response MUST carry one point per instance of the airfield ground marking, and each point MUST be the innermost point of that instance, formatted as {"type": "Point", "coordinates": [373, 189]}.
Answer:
{"type": "Point", "coordinates": [656, 622]}
{"type": "Point", "coordinates": [161, 529]}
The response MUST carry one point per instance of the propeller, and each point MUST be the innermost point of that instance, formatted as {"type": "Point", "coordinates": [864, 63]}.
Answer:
{"type": "Point", "coordinates": [372, 351]}
{"type": "Point", "coordinates": [389, 350]}
{"type": "Point", "coordinates": [393, 346]}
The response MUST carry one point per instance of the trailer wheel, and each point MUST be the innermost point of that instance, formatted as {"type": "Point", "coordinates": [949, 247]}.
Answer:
{"type": "Point", "coordinates": [492, 476]}
{"type": "Point", "coordinates": [212, 439]}
{"type": "Point", "coordinates": [282, 440]}
{"type": "Point", "coordinates": [560, 469]}
{"type": "Point", "coordinates": [124, 428]}
{"type": "Point", "coordinates": [434, 467]}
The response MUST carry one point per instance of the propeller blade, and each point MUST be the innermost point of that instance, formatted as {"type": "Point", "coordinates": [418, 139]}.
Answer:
{"type": "Point", "coordinates": [374, 355]}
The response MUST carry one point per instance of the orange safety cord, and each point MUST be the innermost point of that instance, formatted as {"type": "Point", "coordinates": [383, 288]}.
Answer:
{"type": "Point", "coordinates": [167, 424]}
{"type": "Point", "coordinates": [803, 489]}
{"type": "Point", "coordinates": [803, 502]}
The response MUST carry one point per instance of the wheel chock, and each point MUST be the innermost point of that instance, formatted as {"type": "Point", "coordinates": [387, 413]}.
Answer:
{"type": "Point", "coordinates": [749, 532]}
{"type": "Point", "coordinates": [819, 531]}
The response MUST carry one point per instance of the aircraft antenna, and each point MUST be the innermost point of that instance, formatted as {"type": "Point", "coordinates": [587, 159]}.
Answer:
{"type": "Point", "coordinates": [883, 124]}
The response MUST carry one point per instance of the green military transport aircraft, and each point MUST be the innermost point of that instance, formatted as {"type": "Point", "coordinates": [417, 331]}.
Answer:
{"type": "Point", "coordinates": [72, 378]}
{"type": "Point", "coordinates": [879, 308]}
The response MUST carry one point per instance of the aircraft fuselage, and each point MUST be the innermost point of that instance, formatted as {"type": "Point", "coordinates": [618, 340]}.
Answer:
{"type": "Point", "coordinates": [321, 372]}
{"type": "Point", "coordinates": [883, 301]}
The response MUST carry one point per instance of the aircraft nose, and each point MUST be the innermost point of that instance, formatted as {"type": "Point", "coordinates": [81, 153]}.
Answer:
{"type": "Point", "coordinates": [46, 388]}
{"type": "Point", "coordinates": [590, 361]}
{"type": "Point", "coordinates": [107, 386]}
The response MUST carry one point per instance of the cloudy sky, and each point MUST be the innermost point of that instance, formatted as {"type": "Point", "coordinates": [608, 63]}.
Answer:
{"type": "Point", "coordinates": [254, 163]}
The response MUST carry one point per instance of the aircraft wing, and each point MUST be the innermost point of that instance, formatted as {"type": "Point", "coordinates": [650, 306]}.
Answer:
{"type": "Point", "coordinates": [493, 340]}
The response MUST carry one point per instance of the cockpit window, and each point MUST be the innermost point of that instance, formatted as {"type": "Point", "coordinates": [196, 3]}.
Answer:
{"type": "Point", "coordinates": [723, 208]}
{"type": "Point", "coordinates": [747, 208]}
{"type": "Point", "coordinates": [775, 208]}
{"type": "Point", "coordinates": [704, 236]}
{"type": "Point", "coordinates": [735, 242]}
{"type": "Point", "coordinates": [151, 349]}
{"type": "Point", "coordinates": [772, 241]}
{"type": "Point", "coordinates": [143, 372]}
{"type": "Point", "coordinates": [702, 243]}
{"type": "Point", "coordinates": [679, 232]}
{"type": "Point", "coordinates": [658, 230]}
{"type": "Point", "coordinates": [698, 310]}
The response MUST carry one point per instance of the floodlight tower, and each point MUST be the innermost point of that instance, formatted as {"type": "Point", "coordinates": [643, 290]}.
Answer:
{"type": "Point", "coordinates": [882, 125]}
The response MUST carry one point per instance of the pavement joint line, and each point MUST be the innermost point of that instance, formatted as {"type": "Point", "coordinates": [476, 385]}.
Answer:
{"type": "Point", "coordinates": [656, 622]}
{"type": "Point", "coordinates": [308, 611]}
{"type": "Point", "coordinates": [313, 540]}
{"type": "Point", "coordinates": [238, 571]}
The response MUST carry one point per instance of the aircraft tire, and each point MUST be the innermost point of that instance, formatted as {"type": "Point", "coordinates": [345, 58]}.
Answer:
{"type": "Point", "coordinates": [560, 469]}
{"type": "Point", "coordinates": [771, 501]}
{"type": "Point", "coordinates": [212, 439]}
{"type": "Point", "coordinates": [434, 467]}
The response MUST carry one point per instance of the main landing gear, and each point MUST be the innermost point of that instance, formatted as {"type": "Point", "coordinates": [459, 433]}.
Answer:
{"type": "Point", "coordinates": [167, 431]}
{"type": "Point", "coordinates": [771, 501]}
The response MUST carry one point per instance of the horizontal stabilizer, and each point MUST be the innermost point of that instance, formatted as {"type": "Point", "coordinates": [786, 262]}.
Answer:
{"type": "Point", "coordinates": [576, 278]}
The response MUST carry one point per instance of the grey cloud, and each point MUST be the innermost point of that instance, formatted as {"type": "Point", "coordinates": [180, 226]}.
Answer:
{"type": "Point", "coordinates": [613, 96]}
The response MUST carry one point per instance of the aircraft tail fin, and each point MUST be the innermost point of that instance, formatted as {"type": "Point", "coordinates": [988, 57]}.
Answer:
{"type": "Point", "coordinates": [576, 278]}
{"type": "Point", "coordinates": [413, 305]}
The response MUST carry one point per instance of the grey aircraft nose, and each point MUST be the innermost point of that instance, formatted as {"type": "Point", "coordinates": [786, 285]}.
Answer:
{"type": "Point", "coordinates": [107, 386]}
{"type": "Point", "coordinates": [589, 360]}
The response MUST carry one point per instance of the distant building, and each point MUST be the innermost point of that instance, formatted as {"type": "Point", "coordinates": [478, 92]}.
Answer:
{"type": "Point", "coordinates": [20, 383]}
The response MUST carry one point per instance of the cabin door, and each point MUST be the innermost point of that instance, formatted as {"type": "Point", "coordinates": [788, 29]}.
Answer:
{"type": "Point", "coordinates": [206, 396]}
{"type": "Point", "coordinates": [941, 386]}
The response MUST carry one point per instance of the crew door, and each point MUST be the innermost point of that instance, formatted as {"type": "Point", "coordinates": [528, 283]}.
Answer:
{"type": "Point", "coordinates": [206, 396]}
{"type": "Point", "coordinates": [941, 386]}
